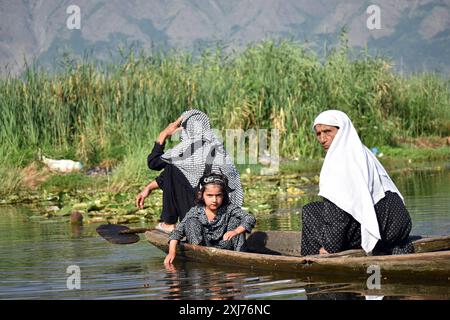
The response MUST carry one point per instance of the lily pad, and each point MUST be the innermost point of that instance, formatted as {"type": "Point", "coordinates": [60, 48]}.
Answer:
{"type": "Point", "coordinates": [65, 211]}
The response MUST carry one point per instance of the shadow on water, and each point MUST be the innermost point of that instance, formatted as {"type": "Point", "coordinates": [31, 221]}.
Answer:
{"type": "Point", "coordinates": [35, 255]}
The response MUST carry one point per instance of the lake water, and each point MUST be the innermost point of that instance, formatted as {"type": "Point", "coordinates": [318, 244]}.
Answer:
{"type": "Point", "coordinates": [35, 256]}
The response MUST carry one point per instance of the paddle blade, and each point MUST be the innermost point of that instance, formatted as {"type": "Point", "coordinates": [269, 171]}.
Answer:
{"type": "Point", "coordinates": [111, 233]}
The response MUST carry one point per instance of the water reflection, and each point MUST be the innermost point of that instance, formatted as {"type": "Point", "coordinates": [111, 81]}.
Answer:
{"type": "Point", "coordinates": [428, 200]}
{"type": "Point", "coordinates": [76, 231]}
{"type": "Point", "coordinates": [35, 254]}
{"type": "Point", "coordinates": [187, 281]}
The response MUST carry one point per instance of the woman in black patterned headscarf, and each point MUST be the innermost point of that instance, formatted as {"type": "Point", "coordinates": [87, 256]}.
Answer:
{"type": "Point", "coordinates": [199, 152]}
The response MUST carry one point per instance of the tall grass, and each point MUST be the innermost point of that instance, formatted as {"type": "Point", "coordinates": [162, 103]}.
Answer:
{"type": "Point", "coordinates": [92, 113]}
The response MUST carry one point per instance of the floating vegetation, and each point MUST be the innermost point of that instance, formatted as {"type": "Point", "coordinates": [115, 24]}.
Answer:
{"type": "Point", "coordinates": [107, 117]}
{"type": "Point", "coordinates": [264, 195]}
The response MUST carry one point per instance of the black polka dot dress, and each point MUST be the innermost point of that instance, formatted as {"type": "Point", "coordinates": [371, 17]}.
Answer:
{"type": "Point", "coordinates": [326, 225]}
{"type": "Point", "coordinates": [199, 231]}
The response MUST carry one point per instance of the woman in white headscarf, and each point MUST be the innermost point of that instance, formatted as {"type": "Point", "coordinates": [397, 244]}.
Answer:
{"type": "Point", "coordinates": [362, 207]}
{"type": "Point", "coordinates": [199, 152]}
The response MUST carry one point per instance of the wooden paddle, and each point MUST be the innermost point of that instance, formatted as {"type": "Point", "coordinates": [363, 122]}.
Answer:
{"type": "Point", "coordinates": [119, 234]}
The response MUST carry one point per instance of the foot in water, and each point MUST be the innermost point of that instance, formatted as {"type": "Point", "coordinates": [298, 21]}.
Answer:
{"type": "Point", "coordinates": [167, 228]}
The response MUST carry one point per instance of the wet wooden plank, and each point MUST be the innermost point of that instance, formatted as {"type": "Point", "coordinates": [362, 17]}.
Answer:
{"type": "Point", "coordinates": [432, 244]}
{"type": "Point", "coordinates": [288, 243]}
{"type": "Point", "coordinates": [431, 265]}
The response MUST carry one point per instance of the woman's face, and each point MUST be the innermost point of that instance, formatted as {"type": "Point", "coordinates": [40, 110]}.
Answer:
{"type": "Point", "coordinates": [213, 196]}
{"type": "Point", "coordinates": [325, 134]}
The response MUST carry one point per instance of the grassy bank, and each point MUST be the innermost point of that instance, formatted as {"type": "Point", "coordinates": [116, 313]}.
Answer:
{"type": "Point", "coordinates": [109, 115]}
{"type": "Point", "coordinates": [111, 198]}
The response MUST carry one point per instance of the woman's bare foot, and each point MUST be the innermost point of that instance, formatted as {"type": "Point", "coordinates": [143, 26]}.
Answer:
{"type": "Point", "coordinates": [164, 227]}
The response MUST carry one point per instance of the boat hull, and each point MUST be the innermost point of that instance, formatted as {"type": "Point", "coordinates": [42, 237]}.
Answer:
{"type": "Point", "coordinates": [353, 263]}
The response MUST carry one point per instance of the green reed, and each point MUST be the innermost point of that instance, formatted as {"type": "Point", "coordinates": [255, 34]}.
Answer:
{"type": "Point", "coordinates": [95, 113]}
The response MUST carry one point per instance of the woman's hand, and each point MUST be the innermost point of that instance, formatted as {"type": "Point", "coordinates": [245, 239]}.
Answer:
{"type": "Point", "coordinates": [140, 198]}
{"type": "Point", "coordinates": [170, 130]}
{"type": "Point", "coordinates": [323, 251]}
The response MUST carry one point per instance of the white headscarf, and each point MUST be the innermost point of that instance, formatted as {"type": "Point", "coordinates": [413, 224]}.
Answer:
{"type": "Point", "coordinates": [352, 177]}
{"type": "Point", "coordinates": [199, 147]}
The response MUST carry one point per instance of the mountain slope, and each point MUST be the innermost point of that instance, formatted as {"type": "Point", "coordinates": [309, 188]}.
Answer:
{"type": "Point", "coordinates": [416, 34]}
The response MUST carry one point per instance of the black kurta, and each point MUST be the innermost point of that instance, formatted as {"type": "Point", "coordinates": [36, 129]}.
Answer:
{"type": "Point", "coordinates": [326, 225]}
{"type": "Point", "coordinates": [178, 194]}
{"type": "Point", "coordinates": [199, 231]}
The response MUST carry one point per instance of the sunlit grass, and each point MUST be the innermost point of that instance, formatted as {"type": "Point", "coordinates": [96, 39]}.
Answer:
{"type": "Point", "coordinates": [113, 113]}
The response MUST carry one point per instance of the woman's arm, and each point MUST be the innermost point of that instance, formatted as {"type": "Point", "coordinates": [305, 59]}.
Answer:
{"type": "Point", "coordinates": [140, 198]}
{"type": "Point", "coordinates": [154, 161]}
{"type": "Point", "coordinates": [170, 130]}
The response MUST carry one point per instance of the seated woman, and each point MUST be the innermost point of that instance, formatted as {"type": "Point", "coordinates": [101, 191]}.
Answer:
{"type": "Point", "coordinates": [362, 207]}
{"type": "Point", "coordinates": [214, 221]}
{"type": "Point", "coordinates": [199, 152]}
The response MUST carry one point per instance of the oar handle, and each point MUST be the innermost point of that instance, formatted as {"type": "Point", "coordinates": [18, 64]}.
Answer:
{"type": "Point", "coordinates": [136, 230]}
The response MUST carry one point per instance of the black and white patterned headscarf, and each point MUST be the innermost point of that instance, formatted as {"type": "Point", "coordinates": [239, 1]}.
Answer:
{"type": "Point", "coordinates": [201, 152]}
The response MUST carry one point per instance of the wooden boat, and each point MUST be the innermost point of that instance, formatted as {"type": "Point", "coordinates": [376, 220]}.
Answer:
{"type": "Point", "coordinates": [280, 251]}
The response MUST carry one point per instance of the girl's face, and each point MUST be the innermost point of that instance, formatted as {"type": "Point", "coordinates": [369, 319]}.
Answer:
{"type": "Point", "coordinates": [213, 196]}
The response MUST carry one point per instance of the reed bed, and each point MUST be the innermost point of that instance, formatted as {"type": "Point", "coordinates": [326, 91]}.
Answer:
{"type": "Point", "coordinates": [92, 113]}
